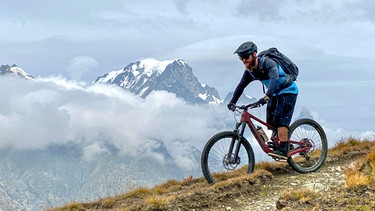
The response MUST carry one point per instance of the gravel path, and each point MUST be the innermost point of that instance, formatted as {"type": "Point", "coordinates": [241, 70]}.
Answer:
{"type": "Point", "coordinates": [328, 178]}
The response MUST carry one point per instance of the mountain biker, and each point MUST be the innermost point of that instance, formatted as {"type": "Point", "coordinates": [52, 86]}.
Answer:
{"type": "Point", "coordinates": [281, 96]}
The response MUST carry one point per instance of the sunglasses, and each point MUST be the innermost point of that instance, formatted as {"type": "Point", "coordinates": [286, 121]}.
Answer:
{"type": "Point", "coordinates": [245, 57]}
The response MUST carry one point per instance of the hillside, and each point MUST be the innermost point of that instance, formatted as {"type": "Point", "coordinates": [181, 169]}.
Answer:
{"type": "Point", "coordinates": [345, 182]}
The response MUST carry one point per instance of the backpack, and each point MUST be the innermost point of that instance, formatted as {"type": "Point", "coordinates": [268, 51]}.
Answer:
{"type": "Point", "coordinates": [288, 66]}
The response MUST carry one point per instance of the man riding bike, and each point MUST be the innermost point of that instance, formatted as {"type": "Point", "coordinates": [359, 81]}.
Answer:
{"type": "Point", "coordinates": [281, 95]}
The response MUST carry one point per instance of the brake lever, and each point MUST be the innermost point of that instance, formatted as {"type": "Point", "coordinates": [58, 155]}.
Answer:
{"type": "Point", "coordinates": [255, 105]}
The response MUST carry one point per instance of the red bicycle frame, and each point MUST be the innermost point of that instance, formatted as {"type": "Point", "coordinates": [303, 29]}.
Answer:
{"type": "Point", "coordinates": [248, 118]}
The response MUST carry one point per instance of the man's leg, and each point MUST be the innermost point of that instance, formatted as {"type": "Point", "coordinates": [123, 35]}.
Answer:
{"type": "Point", "coordinates": [282, 116]}
{"type": "Point", "coordinates": [283, 137]}
{"type": "Point", "coordinates": [283, 133]}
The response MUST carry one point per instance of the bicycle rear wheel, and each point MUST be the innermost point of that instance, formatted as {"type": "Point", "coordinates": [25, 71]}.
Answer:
{"type": "Point", "coordinates": [309, 131]}
{"type": "Point", "coordinates": [216, 162]}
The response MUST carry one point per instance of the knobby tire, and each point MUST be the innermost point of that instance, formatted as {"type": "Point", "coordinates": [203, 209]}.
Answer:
{"type": "Point", "coordinates": [310, 131]}
{"type": "Point", "coordinates": [216, 149]}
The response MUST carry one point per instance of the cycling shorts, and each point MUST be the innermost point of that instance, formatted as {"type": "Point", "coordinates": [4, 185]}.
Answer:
{"type": "Point", "coordinates": [280, 110]}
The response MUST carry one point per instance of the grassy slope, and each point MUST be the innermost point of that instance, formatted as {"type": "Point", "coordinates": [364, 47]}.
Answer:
{"type": "Point", "coordinates": [195, 193]}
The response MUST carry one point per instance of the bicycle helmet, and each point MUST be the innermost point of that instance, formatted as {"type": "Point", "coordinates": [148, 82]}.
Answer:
{"type": "Point", "coordinates": [246, 48]}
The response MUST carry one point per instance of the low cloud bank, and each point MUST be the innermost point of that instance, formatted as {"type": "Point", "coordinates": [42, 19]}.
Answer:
{"type": "Point", "coordinates": [45, 111]}
{"type": "Point", "coordinates": [36, 113]}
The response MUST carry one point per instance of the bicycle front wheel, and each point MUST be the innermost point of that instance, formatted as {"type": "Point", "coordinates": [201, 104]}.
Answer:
{"type": "Point", "coordinates": [217, 161]}
{"type": "Point", "coordinates": [310, 132]}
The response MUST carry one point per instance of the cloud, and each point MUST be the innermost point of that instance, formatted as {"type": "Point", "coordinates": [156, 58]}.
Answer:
{"type": "Point", "coordinates": [299, 11]}
{"type": "Point", "coordinates": [92, 151]}
{"type": "Point", "coordinates": [80, 66]}
{"type": "Point", "coordinates": [181, 5]}
{"type": "Point", "coordinates": [267, 10]}
{"type": "Point", "coordinates": [36, 113]}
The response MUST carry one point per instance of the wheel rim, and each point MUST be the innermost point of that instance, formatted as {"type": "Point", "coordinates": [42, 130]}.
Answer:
{"type": "Point", "coordinates": [310, 135]}
{"type": "Point", "coordinates": [219, 162]}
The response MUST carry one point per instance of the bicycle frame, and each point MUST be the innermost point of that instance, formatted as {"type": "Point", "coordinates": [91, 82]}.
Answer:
{"type": "Point", "coordinates": [247, 119]}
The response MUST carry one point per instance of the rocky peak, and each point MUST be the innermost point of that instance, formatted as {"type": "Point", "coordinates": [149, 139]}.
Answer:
{"type": "Point", "coordinates": [14, 70]}
{"type": "Point", "coordinates": [175, 76]}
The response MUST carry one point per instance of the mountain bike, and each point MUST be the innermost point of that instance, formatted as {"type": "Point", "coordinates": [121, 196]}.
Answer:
{"type": "Point", "coordinates": [229, 150]}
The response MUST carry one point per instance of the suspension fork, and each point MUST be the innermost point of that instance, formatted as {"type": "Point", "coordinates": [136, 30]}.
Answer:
{"type": "Point", "coordinates": [240, 129]}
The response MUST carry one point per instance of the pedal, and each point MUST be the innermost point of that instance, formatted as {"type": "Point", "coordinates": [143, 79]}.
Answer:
{"type": "Point", "coordinates": [278, 159]}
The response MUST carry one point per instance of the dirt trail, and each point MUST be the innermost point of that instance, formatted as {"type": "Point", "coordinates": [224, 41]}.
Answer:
{"type": "Point", "coordinates": [327, 181]}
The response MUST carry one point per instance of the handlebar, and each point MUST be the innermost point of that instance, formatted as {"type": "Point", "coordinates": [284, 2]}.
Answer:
{"type": "Point", "coordinates": [251, 106]}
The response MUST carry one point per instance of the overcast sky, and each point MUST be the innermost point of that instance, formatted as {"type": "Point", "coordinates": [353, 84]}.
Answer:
{"type": "Point", "coordinates": [85, 39]}
{"type": "Point", "coordinates": [332, 42]}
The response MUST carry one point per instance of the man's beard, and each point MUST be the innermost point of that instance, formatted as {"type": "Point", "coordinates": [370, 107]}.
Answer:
{"type": "Point", "coordinates": [253, 65]}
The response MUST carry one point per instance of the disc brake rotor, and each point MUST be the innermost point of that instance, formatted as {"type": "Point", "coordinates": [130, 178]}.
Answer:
{"type": "Point", "coordinates": [308, 143]}
{"type": "Point", "coordinates": [229, 162]}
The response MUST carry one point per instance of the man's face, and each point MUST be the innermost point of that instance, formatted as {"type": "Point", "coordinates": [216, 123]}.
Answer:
{"type": "Point", "coordinates": [250, 60]}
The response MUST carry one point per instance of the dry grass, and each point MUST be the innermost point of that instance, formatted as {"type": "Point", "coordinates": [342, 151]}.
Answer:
{"type": "Point", "coordinates": [355, 179]}
{"type": "Point", "coordinates": [304, 199]}
{"type": "Point", "coordinates": [75, 206]}
{"type": "Point", "coordinates": [371, 158]}
{"type": "Point", "coordinates": [258, 176]}
{"type": "Point", "coordinates": [273, 167]}
{"type": "Point", "coordinates": [349, 145]}
{"type": "Point", "coordinates": [302, 196]}
{"type": "Point", "coordinates": [169, 186]}
{"type": "Point", "coordinates": [158, 202]}
{"type": "Point", "coordinates": [138, 193]}
{"type": "Point", "coordinates": [362, 172]}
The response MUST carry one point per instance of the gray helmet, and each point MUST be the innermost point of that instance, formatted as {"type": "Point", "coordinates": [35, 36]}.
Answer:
{"type": "Point", "coordinates": [246, 48]}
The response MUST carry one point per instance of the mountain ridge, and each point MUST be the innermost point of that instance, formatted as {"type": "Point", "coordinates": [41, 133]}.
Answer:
{"type": "Point", "coordinates": [176, 76]}
{"type": "Point", "coordinates": [14, 70]}
{"type": "Point", "coordinates": [147, 75]}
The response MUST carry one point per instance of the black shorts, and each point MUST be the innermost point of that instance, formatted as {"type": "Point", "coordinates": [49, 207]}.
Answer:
{"type": "Point", "coordinates": [280, 110]}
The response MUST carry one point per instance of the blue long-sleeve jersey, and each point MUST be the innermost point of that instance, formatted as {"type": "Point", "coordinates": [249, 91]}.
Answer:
{"type": "Point", "coordinates": [271, 74]}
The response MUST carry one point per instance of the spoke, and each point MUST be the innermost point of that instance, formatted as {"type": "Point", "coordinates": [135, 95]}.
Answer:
{"type": "Point", "coordinates": [216, 161]}
{"type": "Point", "coordinates": [310, 135]}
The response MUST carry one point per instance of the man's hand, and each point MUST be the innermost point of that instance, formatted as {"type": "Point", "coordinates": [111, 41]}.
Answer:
{"type": "Point", "coordinates": [231, 106]}
{"type": "Point", "coordinates": [264, 100]}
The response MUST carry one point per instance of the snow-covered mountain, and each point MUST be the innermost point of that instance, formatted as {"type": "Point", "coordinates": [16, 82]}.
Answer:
{"type": "Point", "coordinates": [176, 76]}
{"type": "Point", "coordinates": [14, 70]}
